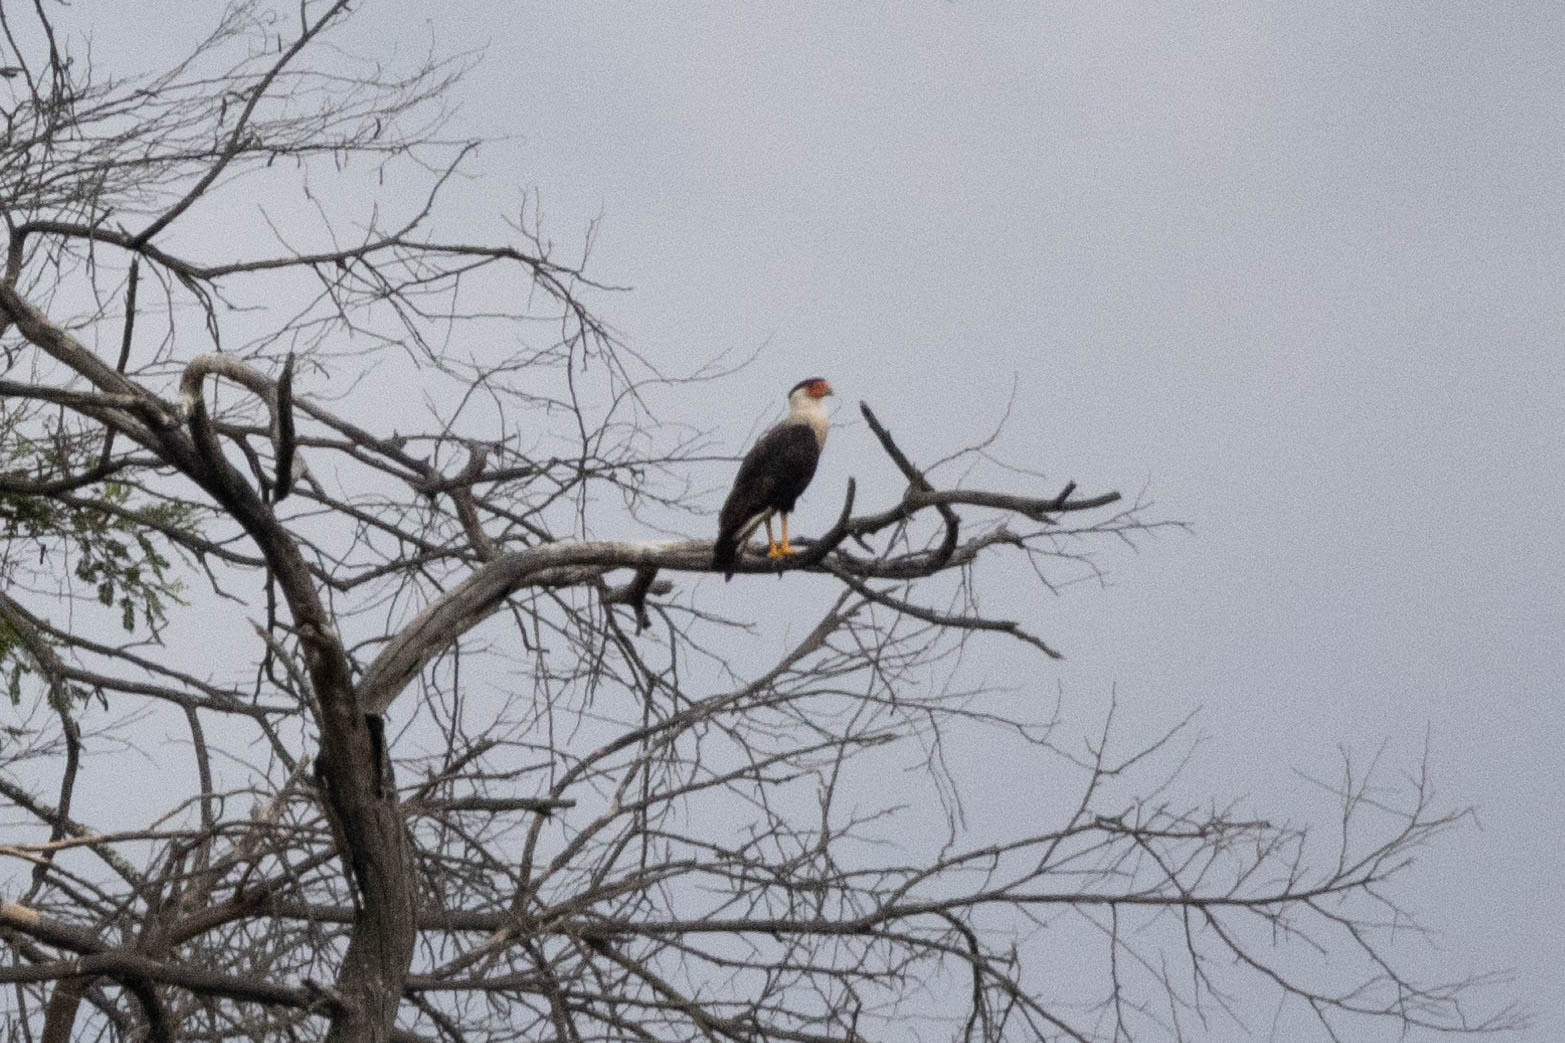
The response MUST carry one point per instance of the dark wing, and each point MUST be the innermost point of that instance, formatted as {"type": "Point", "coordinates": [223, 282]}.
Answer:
{"type": "Point", "coordinates": [774, 472]}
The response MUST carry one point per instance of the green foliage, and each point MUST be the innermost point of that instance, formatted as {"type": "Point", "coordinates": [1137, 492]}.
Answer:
{"type": "Point", "coordinates": [8, 649]}
{"type": "Point", "coordinates": [111, 542]}
{"type": "Point", "coordinates": [109, 538]}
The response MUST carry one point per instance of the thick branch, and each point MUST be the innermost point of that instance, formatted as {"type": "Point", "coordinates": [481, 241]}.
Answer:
{"type": "Point", "coordinates": [565, 564]}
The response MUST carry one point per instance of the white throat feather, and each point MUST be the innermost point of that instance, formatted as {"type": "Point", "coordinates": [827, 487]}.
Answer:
{"type": "Point", "coordinates": [803, 409]}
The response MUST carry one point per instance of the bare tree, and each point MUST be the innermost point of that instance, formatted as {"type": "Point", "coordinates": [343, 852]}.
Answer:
{"type": "Point", "coordinates": [456, 765]}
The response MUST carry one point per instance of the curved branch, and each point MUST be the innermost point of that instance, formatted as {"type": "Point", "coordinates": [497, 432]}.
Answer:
{"type": "Point", "coordinates": [362, 809]}
{"type": "Point", "coordinates": [916, 483]}
{"type": "Point", "coordinates": [818, 549]}
{"type": "Point", "coordinates": [446, 619]}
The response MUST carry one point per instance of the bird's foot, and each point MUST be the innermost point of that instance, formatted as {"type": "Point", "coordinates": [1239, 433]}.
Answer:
{"type": "Point", "coordinates": [778, 550]}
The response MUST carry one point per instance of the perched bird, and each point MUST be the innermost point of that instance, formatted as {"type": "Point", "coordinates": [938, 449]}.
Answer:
{"type": "Point", "coordinates": [774, 472]}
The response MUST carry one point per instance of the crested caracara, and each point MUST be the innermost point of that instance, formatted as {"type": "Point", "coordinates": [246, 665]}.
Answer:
{"type": "Point", "coordinates": [773, 474]}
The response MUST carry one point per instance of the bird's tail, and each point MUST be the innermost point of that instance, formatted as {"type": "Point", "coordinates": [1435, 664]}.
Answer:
{"type": "Point", "coordinates": [725, 553]}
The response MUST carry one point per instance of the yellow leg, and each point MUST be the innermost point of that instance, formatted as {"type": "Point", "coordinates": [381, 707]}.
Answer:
{"type": "Point", "coordinates": [772, 550]}
{"type": "Point", "coordinates": [785, 548]}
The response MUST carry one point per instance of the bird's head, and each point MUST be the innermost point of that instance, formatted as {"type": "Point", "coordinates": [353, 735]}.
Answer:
{"type": "Point", "coordinates": [808, 390]}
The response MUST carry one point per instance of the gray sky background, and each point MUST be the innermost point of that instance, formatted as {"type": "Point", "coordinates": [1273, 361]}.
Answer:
{"type": "Point", "coordinates": [1294, 270]}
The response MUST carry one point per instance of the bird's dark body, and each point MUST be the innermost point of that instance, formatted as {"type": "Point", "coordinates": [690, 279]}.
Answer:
{"type": "Point", "coordinates": [775, 471]}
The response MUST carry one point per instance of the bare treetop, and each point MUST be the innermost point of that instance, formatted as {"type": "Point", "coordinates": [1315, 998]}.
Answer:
{"type": "Point", "coordinates": [341, 493]}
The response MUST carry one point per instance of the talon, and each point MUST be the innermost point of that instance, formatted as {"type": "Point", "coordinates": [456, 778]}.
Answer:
{"type": "Point", "coordinates": [774, 551]}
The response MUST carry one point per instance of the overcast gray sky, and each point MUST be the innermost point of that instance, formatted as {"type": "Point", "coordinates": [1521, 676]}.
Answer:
{"type": "Point", "coordinates": [1294, 270]}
